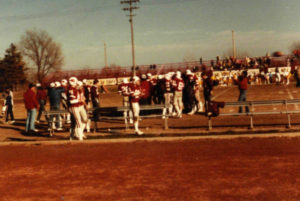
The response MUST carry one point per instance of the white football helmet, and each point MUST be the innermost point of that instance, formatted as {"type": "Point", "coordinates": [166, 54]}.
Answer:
{"type": "Point", "coordinates": [125, 81]}
{"type": "Point", "coordinates": [135, 79]}
{"type": "Point", "coordinates": [178, 74]}
{"type": "Point", "coordinates": [57, 84]}
{"type": "Point", "coordinates": [73, 81]}
{"type": "Point", "coordinates": [64, 82]}
{"type": "Point", "coordinates": [79, 83]}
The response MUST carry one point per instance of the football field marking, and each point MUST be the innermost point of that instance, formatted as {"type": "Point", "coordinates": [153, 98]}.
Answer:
{"type": "Point", "coordinates": [292, 97]}
{"type": "Point", "coordinates": [216, 96]}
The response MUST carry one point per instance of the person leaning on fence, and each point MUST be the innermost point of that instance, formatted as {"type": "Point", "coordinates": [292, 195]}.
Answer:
{"type": "Point", "coordinates": [41, 96]}
{"type": "Point", "coordinates": [9, 106]}
{"type": "Point", "coordinates": [31, 105]}
{"type": "Point", "coordinates": [242, 83]}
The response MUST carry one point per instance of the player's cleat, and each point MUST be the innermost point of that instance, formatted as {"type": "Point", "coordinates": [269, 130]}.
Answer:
{"type": "Point", "coordinates": [191, 112]}
{"type": "Point", "coordinates": [12, 122]}
{"type": "Point", "coordinates": [60, 129]}
{"type": "Point", "coordinates": [37, 121]}
{"type": "Point", "coordinates": [139, 132]}
{"type": "Point", "coordinates": [130, 121]}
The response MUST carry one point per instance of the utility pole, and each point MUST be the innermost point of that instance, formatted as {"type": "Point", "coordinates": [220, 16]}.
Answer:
{"type": "Point", "coordinates": [105, 55]}
{"type": "Point", "coordinates": [131, 4]}
{"type": "Point", "coordinates": [233, 46]}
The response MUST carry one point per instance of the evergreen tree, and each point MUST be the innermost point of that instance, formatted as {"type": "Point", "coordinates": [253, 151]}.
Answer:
{"type": "Point", "coordinates": [12, 68]}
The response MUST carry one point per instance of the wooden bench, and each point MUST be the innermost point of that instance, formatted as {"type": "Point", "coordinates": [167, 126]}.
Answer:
{"type": "Point", "coordinates": [146, 111]}
{"type": "Point", "coordinates": [252, 104]}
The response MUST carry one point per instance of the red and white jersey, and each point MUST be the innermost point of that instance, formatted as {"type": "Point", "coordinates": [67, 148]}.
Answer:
{"type": "Point", "coordinates": [124, 89]}
{"type": "Point", "coordinates": [191, 77]}
{"type": "Point", "coordinates": [168, 86]}
{"type": "Point", "coordinates": [74, 97]}
{"type": "Point", "coordinates": [178, 84]}
{"type": "Point", "coordinates": [145, 89]}
{"type": "Point", "coordinates": [81, 94]}
{"type": "Point", "coordinates": [153, 81]}
{"type": "Point", "coordinates": [197, 81]}
{"type": "Point", "coordinates": [94, 92]}
{"type": "Point", "coordinates": [135, 93]}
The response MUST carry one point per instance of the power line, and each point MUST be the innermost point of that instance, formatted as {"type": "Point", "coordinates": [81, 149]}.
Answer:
{"type": "Point", "coordinates": [131, 7]}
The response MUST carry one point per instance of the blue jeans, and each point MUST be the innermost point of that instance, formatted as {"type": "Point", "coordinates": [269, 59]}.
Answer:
{"type": "Point", "coordinates": [30, 119]}
{"type": "Point", "coordinates": [41, 109]}
{"type": "Point", "coordinates": [242, 97]}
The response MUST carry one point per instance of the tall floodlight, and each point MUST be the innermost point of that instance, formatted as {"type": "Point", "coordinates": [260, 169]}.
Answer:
{"type": "Point", "coordinates": [131, 6]}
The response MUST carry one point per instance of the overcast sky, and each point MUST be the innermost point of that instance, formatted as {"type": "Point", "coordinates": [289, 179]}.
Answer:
{"type": "Point", "coordinates": [165, 30]}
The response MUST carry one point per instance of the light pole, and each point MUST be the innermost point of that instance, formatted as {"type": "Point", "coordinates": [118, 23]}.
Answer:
{"type": "Point", "coordinates": [130, 9]}
{"type": "Point", "coordinates": [233, 46]}
{"type": "Point", "coordinates": [105, 55]}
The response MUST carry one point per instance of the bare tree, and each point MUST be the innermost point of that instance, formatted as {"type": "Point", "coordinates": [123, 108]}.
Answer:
{"type": "Point", "coordinates": [41, 51]}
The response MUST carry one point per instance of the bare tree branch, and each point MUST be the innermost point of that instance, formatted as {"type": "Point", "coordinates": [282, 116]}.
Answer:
{"type": "Point", "coordinates": [40, 49]}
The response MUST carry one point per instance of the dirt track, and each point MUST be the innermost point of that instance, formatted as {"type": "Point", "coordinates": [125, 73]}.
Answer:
{"type": "Point", "coordinates": [190, 169]}
{"type": "Point", "coordinates": [224, 169]}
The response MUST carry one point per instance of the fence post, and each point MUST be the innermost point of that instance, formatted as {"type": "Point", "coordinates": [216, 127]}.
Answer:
{"type": "Point", "coordinates": [251, 114]}
{"type": "Point", "coordinates": [288, 114]}
{"type": "Point", "coordinates": [166, 122]}
{"type": "Point", "coordinates": [251, 121]}
{"type": "Point", "coordinates": [209, 123]}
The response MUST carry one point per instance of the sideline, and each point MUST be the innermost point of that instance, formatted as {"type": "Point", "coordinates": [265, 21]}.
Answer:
{"type": "Point", "coordinates": [291, 97]}
{"type": "Point", "coordinates": [219, 94]}
{"type": "Point", "coordinates": [152, 139]}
